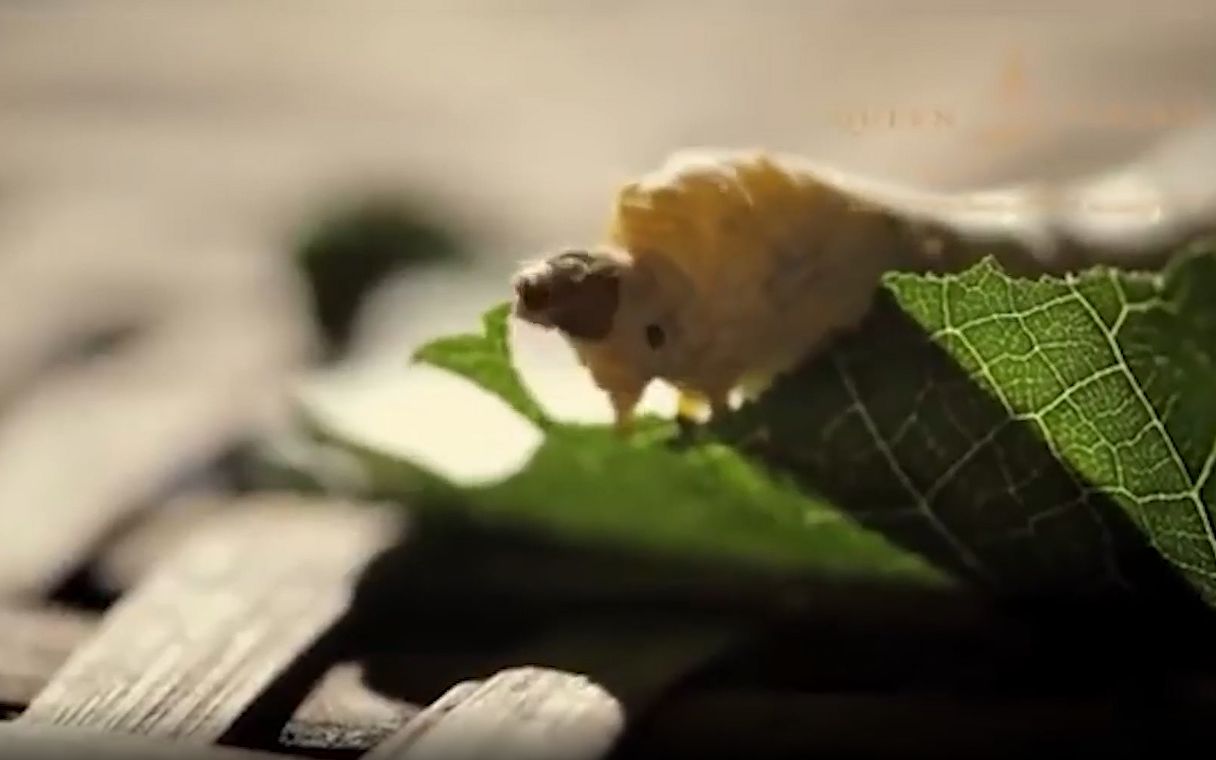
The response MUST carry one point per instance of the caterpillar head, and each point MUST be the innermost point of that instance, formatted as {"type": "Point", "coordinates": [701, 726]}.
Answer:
{"type": "Point", "coordinates": [577, 292]}
{"type": "Point", "coordinates": [620, 317]}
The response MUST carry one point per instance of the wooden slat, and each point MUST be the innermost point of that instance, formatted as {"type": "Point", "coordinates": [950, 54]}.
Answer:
{"type": "Point", "coordinates": [156, 534]}
{"type": "Point", "coordinates": [523, 713]}
{"type": "Point", "coordinates": [398, 744]}
{"type": "Point", "coordinates": [340, 713]}
{"type": "Point", "coordinates": [65, 486]}
{"type": "Point", "coordinates": [34, 643]}
{"type": "Point", "coordinates": [572, 708]}
{"type": "Point", "coordinates": [343, 714]}
{"type": "Point", "coordinates": [27, 742]}
{"type": "Point", "coordinates": [185, 653]}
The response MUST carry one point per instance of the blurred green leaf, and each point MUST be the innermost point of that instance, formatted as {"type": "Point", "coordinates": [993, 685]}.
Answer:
{"type": "Point", "coordinates": [702, 501]}
{"type": "Point", "coordinates": [647, 493]}
{"type": "Point", "coordinates": [486, 360]}
{"type": "Point", "coordinates": [355, 249]}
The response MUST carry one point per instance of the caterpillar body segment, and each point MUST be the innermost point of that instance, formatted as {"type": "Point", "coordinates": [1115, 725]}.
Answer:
{"type": "Point", "coordinates": [722, 269]}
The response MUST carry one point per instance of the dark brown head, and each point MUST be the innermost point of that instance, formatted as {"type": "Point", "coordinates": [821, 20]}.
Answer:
{"type": "Point", "coordinates": [577, 292]}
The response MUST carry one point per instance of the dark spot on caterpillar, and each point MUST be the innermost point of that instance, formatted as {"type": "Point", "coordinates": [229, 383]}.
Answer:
{"type": "Point", "coordinates": [655, 337]}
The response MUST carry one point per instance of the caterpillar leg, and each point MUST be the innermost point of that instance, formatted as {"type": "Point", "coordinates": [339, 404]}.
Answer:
{"type": "Point", "coordinates": [690, 407]}
{"type": "Point", "coordinates": [623, 405]}
{"type": "Point", "coordinates": [694, 408]}
{"type": "Point", "coordinates": [754, 384]}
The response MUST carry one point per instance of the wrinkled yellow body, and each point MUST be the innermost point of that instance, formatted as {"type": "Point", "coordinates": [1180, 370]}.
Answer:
{"type": "Point", "coordinates": [774, 262]}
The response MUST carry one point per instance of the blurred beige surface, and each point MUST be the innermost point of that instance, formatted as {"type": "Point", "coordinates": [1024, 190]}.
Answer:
{"type": "Point", "coordinates": [157, 159]}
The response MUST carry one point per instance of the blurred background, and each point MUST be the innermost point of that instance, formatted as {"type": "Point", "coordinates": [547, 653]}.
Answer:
{"type": "Point", "coordinates": [166, 167]}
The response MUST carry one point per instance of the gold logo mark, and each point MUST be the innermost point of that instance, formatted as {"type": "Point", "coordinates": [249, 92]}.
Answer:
{"type": "Point", "coordinates": [1018, 110]}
